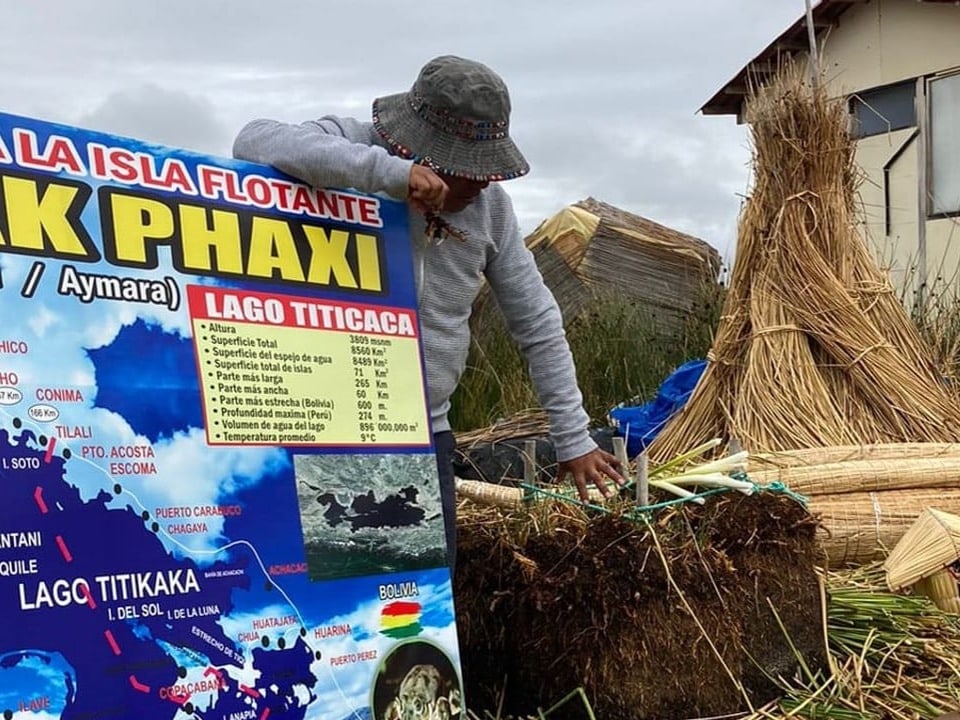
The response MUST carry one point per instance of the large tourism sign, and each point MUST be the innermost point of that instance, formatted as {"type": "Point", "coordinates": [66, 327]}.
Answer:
{"type": "Point", "coordinates": [218, 497]}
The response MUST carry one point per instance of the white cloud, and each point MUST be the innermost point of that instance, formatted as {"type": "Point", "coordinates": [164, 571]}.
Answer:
{"type": "Point", "coordinates": [196, 476]}
{"type": "Point", "coordinates": [158, 114]}
{"type": "Point", "coordinates": [193, 73]}
{"type": "Point", "coordinates": [43, 319]}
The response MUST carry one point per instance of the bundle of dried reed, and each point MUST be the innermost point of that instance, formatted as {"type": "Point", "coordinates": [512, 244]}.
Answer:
{"type": "Point", "coordinates": [941, 587]}
{"type": "Point", "coordinates": [813, 348]}
{"type": "Point", "coordinates": [527, 423]}
{"type": "Point", "coordinates": [484, 493]}
{"type": "Point", "coordinates": [924, 553]}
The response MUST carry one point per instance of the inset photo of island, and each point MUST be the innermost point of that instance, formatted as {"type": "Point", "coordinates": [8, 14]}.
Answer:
{"type": "Point", "coordinates": [369, 514]}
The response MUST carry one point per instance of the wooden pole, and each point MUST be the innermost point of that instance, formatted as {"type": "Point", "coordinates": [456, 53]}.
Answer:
{"type": "Point", "coordinates": [620, 452]}
{"type": "Point", "coordinates": [643, 479]}
{"type": "Point", "coordinates": [812, 37]}
{"type": "Point", "coordinates": [530, 462]}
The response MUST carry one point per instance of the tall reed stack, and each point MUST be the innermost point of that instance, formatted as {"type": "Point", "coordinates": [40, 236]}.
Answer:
{"type": "Point", "coordinates": [813, 348]}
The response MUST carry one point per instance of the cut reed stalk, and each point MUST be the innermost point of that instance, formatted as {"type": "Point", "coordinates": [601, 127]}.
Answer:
{"type": "Point", "coordinates": [893, 656]}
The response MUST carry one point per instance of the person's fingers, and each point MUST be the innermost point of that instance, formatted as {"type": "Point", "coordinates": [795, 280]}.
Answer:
{"type": "Point", "coordinates": [419, 205]}
{"type": "Point", "coordinates": [601, 484]}
{"type": "Point", "coordinates": [594, 476]}
{"type": "Point", "coordinates": [427, 188]}
{"type": "Point", "coordinates": [611, 467]}
{"type": "Point", "coordinates": [431, 200]}
{"type": "Point", "coordinates": [582, 489]}
{"type": "Point", "coordinates": [442, 194]}
{"type": "Point", "coordinates": [614, 473]}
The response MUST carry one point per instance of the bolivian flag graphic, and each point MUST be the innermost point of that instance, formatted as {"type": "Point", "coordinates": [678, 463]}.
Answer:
{"type": "Point", "coordinates": [400, 620]}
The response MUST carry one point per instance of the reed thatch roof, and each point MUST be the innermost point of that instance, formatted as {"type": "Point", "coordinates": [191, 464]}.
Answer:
{"type": "Point", "coordinates": [592, 248]}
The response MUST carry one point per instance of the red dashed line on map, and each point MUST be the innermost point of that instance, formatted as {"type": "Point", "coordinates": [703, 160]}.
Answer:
{"type": "Point", "coordinates": [38, 498]}
{"type": "Point", "coordinates": [112, 641]}
{"type": "Point", "coordinates": [84, 590]}
{"type": "Point", "coordinates": [137, 685]}
{"type": "Point", "coordinates": [64, 550]}
{"type": "Point", "coordinates": [88, 596]}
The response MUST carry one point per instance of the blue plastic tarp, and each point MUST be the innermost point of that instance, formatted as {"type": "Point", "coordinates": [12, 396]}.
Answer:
{"type": "Point", "coordinates": [640, 424]}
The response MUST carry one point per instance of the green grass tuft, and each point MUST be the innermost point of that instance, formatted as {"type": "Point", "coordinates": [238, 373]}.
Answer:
{"type": "Point", "coordinates": [619, 351]}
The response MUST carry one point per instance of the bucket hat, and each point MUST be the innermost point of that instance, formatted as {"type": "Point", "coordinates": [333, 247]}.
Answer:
{"type": "Point", "coordinates": [455, 119]}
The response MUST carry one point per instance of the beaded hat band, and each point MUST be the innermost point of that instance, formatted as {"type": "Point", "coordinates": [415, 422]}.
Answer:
{"type": "Point", "coordinates": [456, 119]}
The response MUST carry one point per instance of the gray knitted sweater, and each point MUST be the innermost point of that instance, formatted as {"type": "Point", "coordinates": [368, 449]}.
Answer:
{"type": "Point", "coordinates": [346, 153]}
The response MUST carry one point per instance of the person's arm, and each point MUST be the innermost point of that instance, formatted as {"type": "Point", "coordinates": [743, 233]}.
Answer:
{"type": "Point", "coordinates": [330, 152]}
{"type": "Point", "coordinates": [337, 152]}
{"type": "Point", "coordinates": [535, 323]}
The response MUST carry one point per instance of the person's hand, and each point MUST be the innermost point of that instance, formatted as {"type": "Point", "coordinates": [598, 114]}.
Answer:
{"type": "Point", "coordinates": [597, 467]}
{"type": "Point", "coordinates": [427, 191]}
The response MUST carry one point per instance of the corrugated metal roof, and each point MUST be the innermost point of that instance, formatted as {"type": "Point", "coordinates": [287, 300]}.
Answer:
{"type": "Point", "coordinates": [793, 40]}
{"type": "Point", "coordinates": [729, 99]}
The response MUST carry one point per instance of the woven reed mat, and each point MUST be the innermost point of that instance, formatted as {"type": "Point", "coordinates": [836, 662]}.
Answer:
{"type": "Point", "coordinates": [843, 453]}
{"type": "Point", "coordinates": [866, 475]}
{"type": "Point", "coordinates": [857, 528]}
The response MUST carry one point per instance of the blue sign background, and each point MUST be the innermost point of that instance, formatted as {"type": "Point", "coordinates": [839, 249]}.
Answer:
{"type": "Point", "coordinates": [157, 576]}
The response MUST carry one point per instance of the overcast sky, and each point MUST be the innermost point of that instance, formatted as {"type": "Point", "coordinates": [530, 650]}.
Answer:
{"type": "Point", "coordinates": [605, 92]}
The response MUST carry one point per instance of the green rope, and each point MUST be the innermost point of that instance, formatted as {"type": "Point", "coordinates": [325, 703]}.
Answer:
{"type": "Point", "coordinates": [647, 509]}
{"type": "Point", "coordinates": [778, 487]}
{"type": "Point", "coordinates": [531, 491]}
{"type": "Point", "coordinates": [775, 487]}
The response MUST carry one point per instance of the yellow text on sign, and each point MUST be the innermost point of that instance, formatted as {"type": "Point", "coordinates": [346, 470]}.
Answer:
{"type": "Point", "coordinates": [212, 241]}
{"type": "Point", "coordinates": [42, 217]}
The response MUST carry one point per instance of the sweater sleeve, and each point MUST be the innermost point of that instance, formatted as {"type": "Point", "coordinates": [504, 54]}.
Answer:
{"type": "Point", "coordinates": [329, 152]}
{"type": "Point", "coordinates": [534, 321]}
